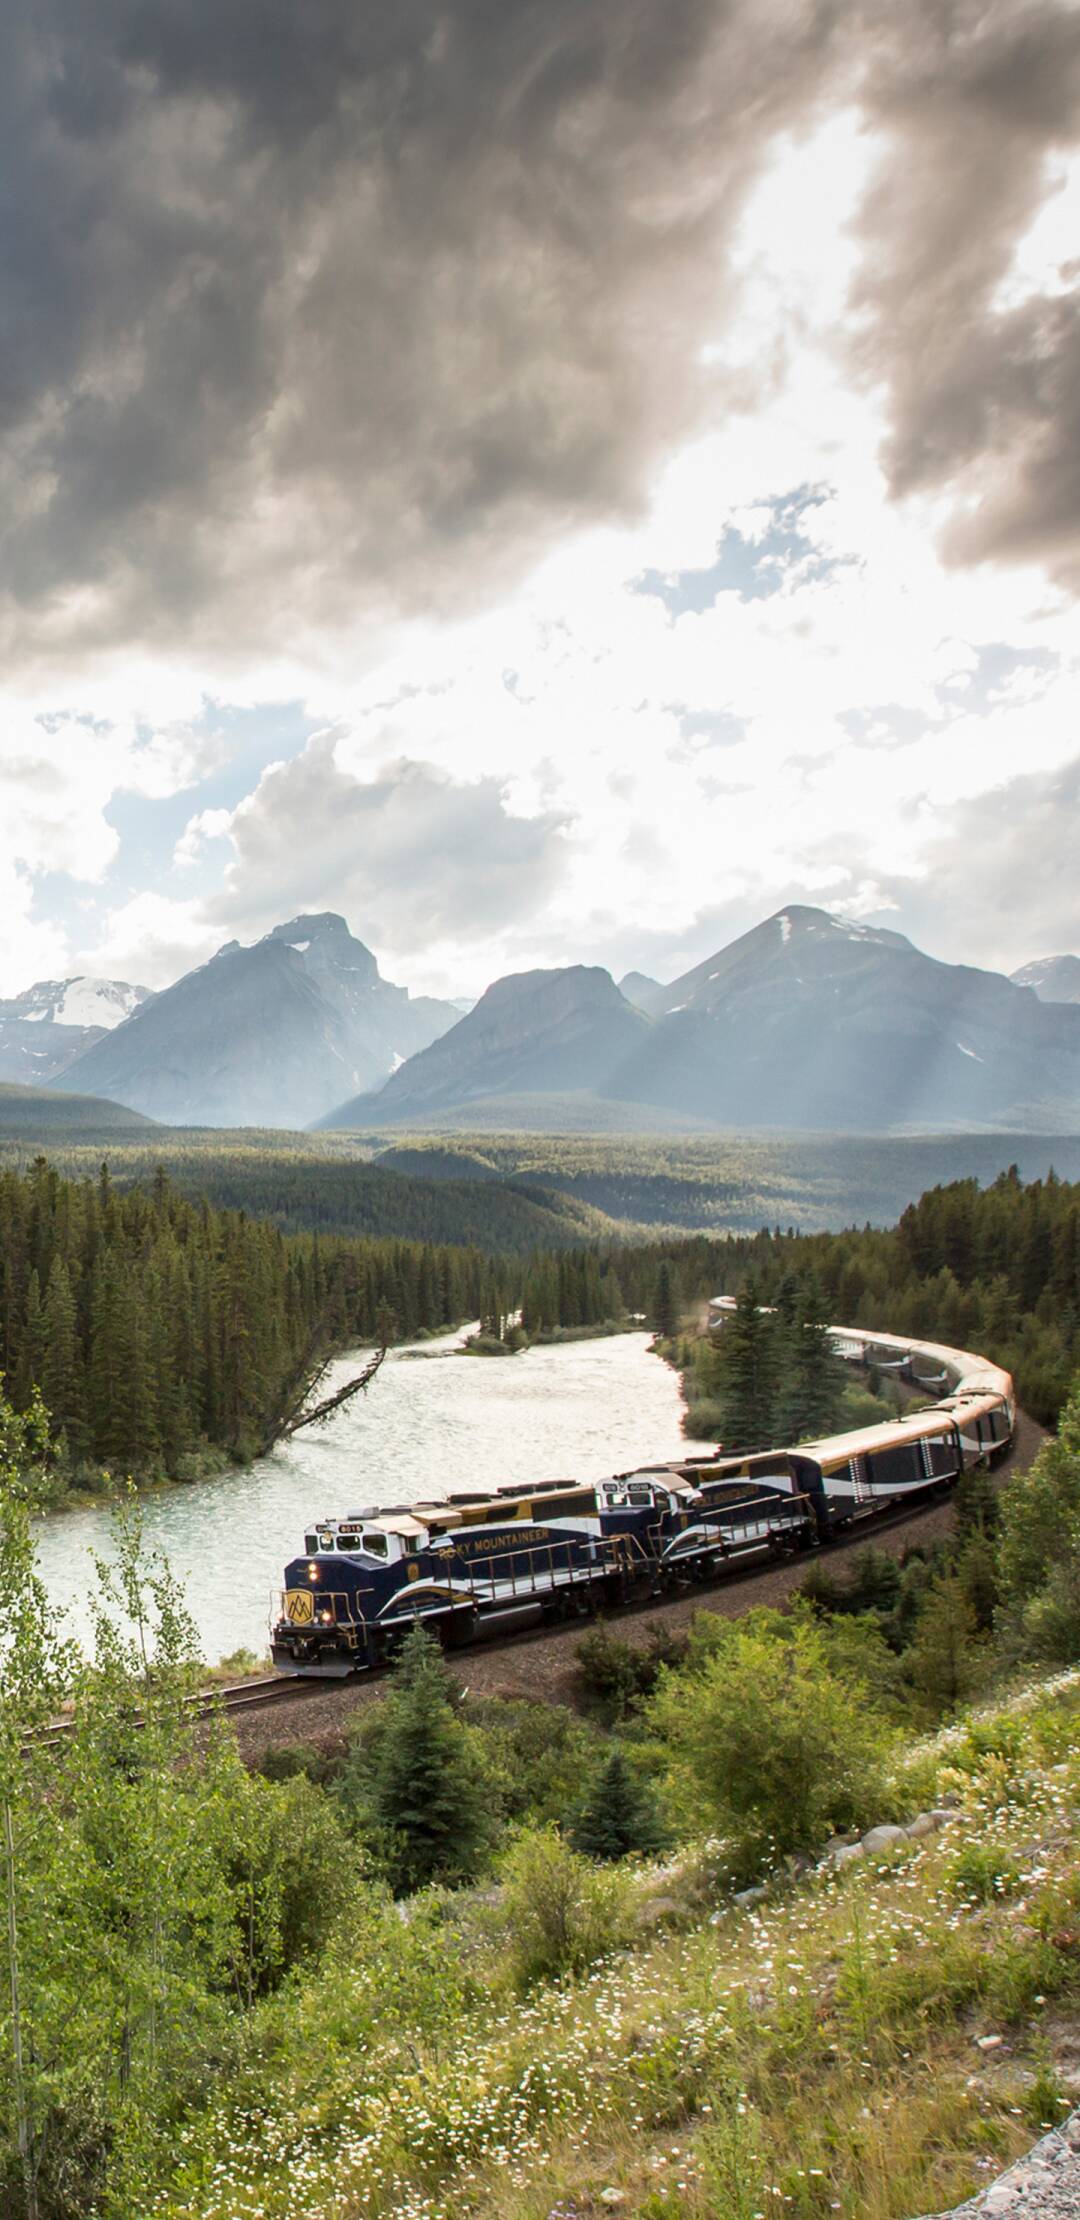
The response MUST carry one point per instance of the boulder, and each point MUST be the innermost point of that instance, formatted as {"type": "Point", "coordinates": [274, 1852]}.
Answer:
{"type": "Point", "coordinates": [924, 1823]}
{"type": "Point", "coordinates": [884, 1838]}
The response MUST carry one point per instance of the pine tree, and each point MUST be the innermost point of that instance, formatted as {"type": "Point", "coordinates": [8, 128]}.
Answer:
{"type": "Point", "coordinates": [812, 1374]}
{"type": "Point", "coordinates": [748, 1373]}
{"type": "Point", "coordinates": [60, 1383]}
{"type": "Point", "coordinates": [427, 1798]}
{"type": "Point", "coordinates": [947, 1660]}
{"type": "Point", "coordinates": [617, 1816]}
{"type": "Point", "coordinates": [665, 1309]}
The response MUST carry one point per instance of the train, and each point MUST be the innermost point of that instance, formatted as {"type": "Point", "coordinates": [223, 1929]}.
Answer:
{"type": "Point", "coordinates": [490, 1562]}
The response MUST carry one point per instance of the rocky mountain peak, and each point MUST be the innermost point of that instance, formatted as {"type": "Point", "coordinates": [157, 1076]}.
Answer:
{"type": "Point", "coordinates": [1054, 978]}
{"type": "Point", "coordinates": [324, 940]}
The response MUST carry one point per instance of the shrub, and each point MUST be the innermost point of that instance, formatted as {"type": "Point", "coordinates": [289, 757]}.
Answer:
{"type": "Point", "coordinates": [537, 1756]}
{"type": "Point", "coordinates": [615, 1675]}
{"type": "Point", "coordinates": [768, 1742]}
{"type": "Point", "coordinates": [562, 1913]}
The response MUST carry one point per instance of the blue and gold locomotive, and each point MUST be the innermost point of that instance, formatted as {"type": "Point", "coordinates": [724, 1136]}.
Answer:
{"type": "Point", "coordinates": [495, 1561]}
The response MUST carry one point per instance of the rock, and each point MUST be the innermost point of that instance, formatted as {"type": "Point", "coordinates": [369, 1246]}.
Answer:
{"type": "Point", "coordinates": [924, 1823]}
{"type": "Point", "coordinates": [613, 2196]}
{"type": "Point", "coordinates": [989, 2042]}
{"type": "Point", "coordinates": [658, 1910]}
{"type": "Point", "coordinates": [942, 1813]}
{"type": "Point", "coordinates": [847, 1854]}
{"type": "Point", "coordinates": [884, 1838]}
{"type": "Point", "coordinates": [835, 1843]}
{"type": "Point", "coordinates": [750, 1896]}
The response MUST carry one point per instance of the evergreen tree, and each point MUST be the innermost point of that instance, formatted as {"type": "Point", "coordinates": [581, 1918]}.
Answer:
{"type": "Point", "coordinates": [427, 1798]}
{"type": "Point", "coordinates": [665, 1309]}
{"type": "Point", "coordinates": [617, 1816]}
{"type": "Point", "coordinates": [747, 1370]}
{"type": "Point", "coordinates": [812, 1375]}
{"type": "Point", "coordinates": [947, 1660]}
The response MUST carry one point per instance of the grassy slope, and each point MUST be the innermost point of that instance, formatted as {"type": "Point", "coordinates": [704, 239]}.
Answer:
{"type": "Point", "coordinates": [812, 2055]}
{"type": "Point", "coordinates": [737, 1182]}
{"type": "Point", "coordinates": [35, 1116]}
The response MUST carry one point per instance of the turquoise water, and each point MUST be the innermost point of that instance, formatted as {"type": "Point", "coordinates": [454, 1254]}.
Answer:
{"type": "Point", "coordinates": [432, 1421]}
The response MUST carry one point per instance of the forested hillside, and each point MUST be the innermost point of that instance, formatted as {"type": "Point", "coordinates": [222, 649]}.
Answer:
{"type": "Point", "coordinates": [322, 1187]}
{"type": "Point", "coordinates": [154, 1326]}
{"type": "Point", "coordinates": [736, 1182]}
{"type": "Point", "coordinates": [994, 1269]}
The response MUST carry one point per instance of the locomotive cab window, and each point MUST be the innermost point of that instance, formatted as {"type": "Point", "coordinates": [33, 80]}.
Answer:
{"type": "Point", "coordinates": [377, 1545]}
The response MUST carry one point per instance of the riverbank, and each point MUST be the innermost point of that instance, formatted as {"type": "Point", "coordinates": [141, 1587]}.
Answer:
{"type": "Point", "coordinates": [517, 1342]}
{"type": "Point", "coordinates": [582, 1409]}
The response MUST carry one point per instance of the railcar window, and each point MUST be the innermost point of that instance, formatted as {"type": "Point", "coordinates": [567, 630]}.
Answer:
{"type": "Point", "coordinates": [311, 1543]}
{"type": "Point", "coordinates": [377, 1544]}
{"type": "Point", "coordinates": [891, 1467]}
{"type": "Point", "coordinates": [940, 1456]}
{"type": "Point", "coordinates": [999, 1425]}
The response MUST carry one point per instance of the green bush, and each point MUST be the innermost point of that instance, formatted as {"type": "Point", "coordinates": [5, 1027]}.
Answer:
{"type": "Point", "coordinates": [615, 1675]}
{"type": "Point", "coordinates": [769, 1743]}
{"type": "Point", "coordinates": [562, 1913]}
{"type": "Point", "coordinates": [536, 1757]}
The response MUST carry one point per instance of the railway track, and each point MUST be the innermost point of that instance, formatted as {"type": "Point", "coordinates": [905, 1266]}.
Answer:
{"type": "Point", "coordinates": [275, 1691]}
{"type": "Point", "coordinates": [228, 1698]}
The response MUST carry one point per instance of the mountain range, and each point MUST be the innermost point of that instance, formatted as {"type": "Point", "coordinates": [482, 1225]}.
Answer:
{"type": "Point", "coordinates": [809, 1021]}
{"type": "Point", "coordinates": [265, 1035]}
{"type": "Point", "coordinates": [43, 1030]}
{"type": "Point", "coordinates": [534, 1032]}
{"type": "Point", "coordinates": [1054, 978]}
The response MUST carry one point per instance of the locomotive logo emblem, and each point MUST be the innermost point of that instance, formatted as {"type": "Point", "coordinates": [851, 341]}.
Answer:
{"type": "Point", "coordinates": [299, 1607]}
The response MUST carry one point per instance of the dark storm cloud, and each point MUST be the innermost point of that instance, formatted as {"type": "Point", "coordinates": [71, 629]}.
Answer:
{"type": "Point", "coordinates": [410, 856]}
{"type": "Point", "coordinates": [985, 399]}
{"type": "Point", "coordinates": [310, 310]}
{"type": "Point", "coordinates": [309, 307]}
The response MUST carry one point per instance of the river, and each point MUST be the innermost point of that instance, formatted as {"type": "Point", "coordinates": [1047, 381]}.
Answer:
{"type": "Point", "coordinates": [431, 1422]}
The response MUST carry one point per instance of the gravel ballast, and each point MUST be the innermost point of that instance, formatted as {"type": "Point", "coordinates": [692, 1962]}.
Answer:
{"type": "Point", "coordinates": [1043, 2186]}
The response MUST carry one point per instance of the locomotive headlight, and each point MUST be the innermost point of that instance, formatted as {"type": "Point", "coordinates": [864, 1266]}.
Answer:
{"type": "Point", "coordinates": [313, 1572]}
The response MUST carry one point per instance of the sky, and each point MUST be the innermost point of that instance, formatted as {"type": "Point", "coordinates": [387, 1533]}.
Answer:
{"type": "Point", "coordinates": [552, 480]}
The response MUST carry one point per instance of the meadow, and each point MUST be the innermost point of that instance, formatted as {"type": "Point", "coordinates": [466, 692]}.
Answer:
{"type": "Point", "coordinates": [498, 1961]}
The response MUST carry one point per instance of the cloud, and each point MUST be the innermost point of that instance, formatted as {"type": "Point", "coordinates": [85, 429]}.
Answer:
{"type": "Point", "coordinates": [306, 303]}
{"type": "Point", "coordinates": [974, 103]}
{"type": "Point", "coordinates": [411, 856]}
{"type": "Point", "coordinates": [1009, 863]}
{"type": "Point", "coordinates": [206, 825]}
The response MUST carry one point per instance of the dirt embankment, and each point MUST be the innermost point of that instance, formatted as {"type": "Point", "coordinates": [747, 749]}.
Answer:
{"type": "Point", "coordinates": [543, 1666]}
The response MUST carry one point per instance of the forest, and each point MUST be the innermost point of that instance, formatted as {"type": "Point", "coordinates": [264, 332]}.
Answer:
{"type": "Point", "coordinates": [996, 1270]}
{"type": "Point", "coordinates": [160, 1330]}
{"type": "Point", "coordinates": [514, 1192]}
{"type": "Point", "coordinates": [157, 1328]}
{"type": "Point", "coordinates": [993, 1269]}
